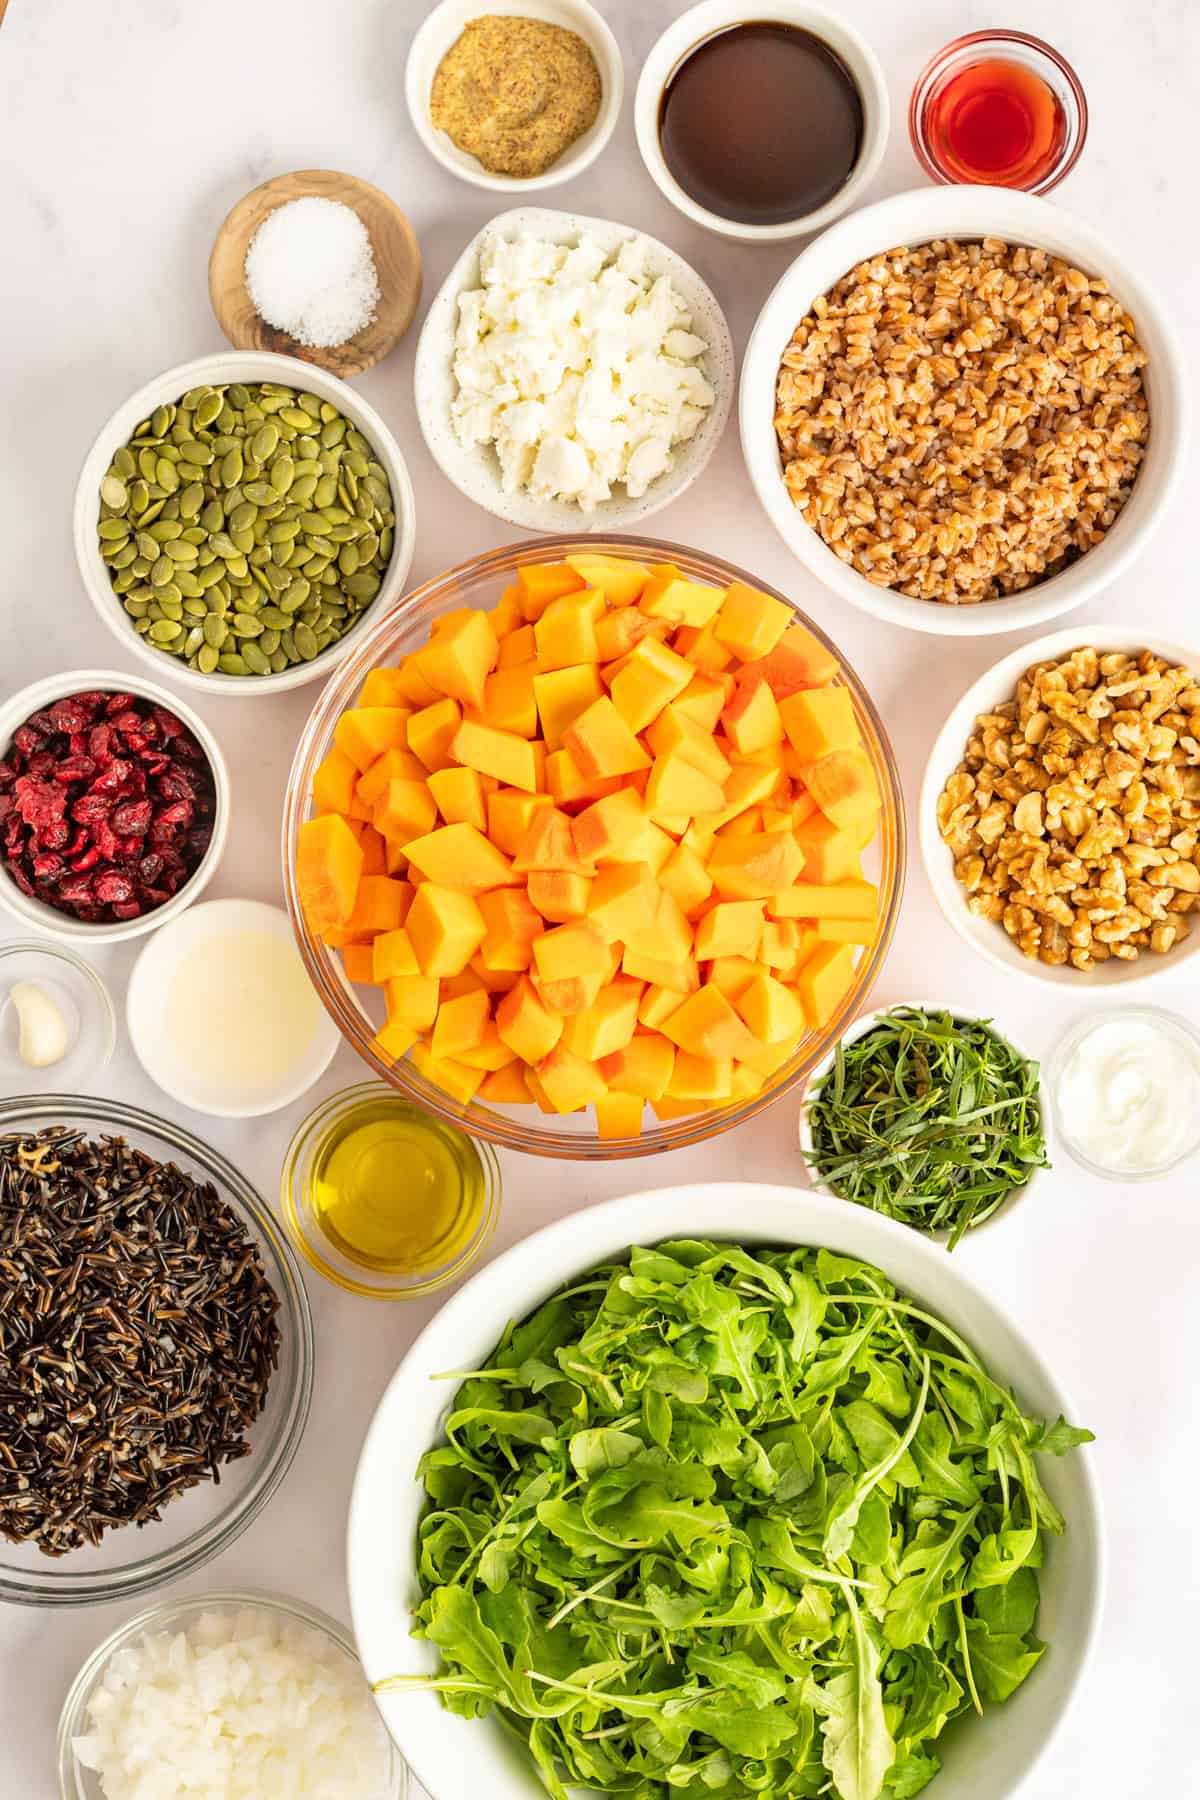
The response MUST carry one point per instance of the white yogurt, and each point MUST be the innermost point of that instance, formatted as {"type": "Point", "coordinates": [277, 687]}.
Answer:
{"type": "Point", "coordinates": [1129, 1094]}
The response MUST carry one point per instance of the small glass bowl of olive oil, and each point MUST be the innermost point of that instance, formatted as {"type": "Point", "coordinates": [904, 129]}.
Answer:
{"type": "Point", "coordinates": [383, 1199]}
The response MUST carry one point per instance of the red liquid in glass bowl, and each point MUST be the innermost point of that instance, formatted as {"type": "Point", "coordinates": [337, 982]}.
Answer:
{"type": "Point", "coordinates": [998, 108]}
{"type": "Point", "coordinates": [997, 122]}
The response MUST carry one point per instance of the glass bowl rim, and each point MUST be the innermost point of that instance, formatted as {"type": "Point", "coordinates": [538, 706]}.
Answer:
{"type": "Point", "coordinates": [92, 978]}
{"type": "Point", "coordinates": [317, 1121]}
{"type": "Point", "coordinates": [100, 1586]}
{"type": "Point", "coordinates": [167, 1612]}
{"type": "Point", "coordinates": [1055, 1065]}
{"type": "Point", "coordinates": [693, 1128]}
{"type": "Point", "coordinates": [940, 62]}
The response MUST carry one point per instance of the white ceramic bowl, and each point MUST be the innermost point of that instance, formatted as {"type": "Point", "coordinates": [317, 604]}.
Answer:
{"type": "Point", "coordinates": [151, 1032]}
{"type": "Point", "coordinates": [476, 472]}
{"type": "Point", "coordinates": [443, 27]}
{"type": "Point", "coordinates": [987, 1760]}
{"type": "Point", "coordinates": [991, 690]}
{"type": "Point", "coordinates": [965, 212]}
{"type": "Point", "coordinates": [16, 709]}
{"type": "Point", "coordinates": [866, 1022]}
{"type": "Point", "coordinates": [700, 22]}
{"type": "Point", "coordinates": [238, 365]}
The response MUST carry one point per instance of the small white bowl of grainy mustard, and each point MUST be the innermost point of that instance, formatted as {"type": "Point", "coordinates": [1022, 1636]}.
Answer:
{"type": "Point", "coordinates": [963, 410]}
{"type": "Point", "coordinates": [1060, 809]}
{"type": "Point", "coordinates": [515, 97]}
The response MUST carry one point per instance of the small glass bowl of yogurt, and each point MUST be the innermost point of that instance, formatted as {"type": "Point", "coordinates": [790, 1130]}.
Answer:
{"type": "Point", "coordinates": [1125, 1087]}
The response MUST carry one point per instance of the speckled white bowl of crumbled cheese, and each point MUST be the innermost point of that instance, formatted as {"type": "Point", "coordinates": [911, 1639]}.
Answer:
{"type": "Point", "coordinates": [572, 373]}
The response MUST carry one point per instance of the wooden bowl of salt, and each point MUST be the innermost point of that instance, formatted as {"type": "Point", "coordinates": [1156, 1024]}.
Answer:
{"type": "Point", "coordinates": [314, 271]}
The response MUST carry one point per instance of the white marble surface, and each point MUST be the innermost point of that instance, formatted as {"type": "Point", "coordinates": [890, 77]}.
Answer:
{"type": "Point", "coordinates": [126, 132]}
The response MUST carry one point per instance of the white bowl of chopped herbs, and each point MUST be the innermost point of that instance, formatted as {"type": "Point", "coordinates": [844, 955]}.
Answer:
{"type": "Point", "coordinates": [734, 1512]}
{"type": "Point", "coordinates": [927, 1116]}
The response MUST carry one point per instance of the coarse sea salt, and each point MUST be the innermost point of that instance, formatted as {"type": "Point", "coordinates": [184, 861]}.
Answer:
{"type": "Point", "coordinates": [242, 1705]}
{"type": "Point", "coordinates": [310, 272]}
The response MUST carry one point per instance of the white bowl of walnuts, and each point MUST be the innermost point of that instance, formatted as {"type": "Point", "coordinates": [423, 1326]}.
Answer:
{"type": "Point", "coordinates": [1060, 809]}
{"type": "Point", "coordinates": [963, 410]}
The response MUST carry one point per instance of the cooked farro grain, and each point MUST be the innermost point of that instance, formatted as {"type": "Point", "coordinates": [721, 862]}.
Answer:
{"type": "Point", "coordinates": [959, 421]}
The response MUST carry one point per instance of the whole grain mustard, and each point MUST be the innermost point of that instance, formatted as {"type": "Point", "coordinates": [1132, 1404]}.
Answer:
{"type": "Point", "coordinates": [515, 93]}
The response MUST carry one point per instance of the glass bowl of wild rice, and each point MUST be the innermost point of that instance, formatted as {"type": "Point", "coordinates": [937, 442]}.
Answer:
{"type": "Point", "coordinates": [963, 410]}
{"type": "Point", "coordinates": [157, 1350]}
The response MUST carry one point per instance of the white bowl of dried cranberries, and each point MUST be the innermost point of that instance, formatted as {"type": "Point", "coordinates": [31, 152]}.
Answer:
{"type": "Point", "coordinates": [114, 805]}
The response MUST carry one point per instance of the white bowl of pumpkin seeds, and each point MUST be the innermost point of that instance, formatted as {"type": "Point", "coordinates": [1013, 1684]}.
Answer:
{"type": "Point", "coordinates": [241, 520]}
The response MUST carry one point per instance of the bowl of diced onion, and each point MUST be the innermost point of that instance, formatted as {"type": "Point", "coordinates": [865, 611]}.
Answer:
{"type": "Point", "coordinates": [238, 1696]}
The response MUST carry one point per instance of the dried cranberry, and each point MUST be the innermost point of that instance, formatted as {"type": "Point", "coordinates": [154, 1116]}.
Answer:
{"type": "Point", "coordinates": [39, 802]}
{"type": "Point", "coordinates": [87, 860]}
{"type": "Point", "coordinates": [113, 778]}
{"type": "Point", "coordinates": [133, 818]}
{"type": "Point", "coordinates": [55, 836]}
{"type": "Point", "coordinates": [106, 843]}
{"type": "Point", "coordinates": [90, 807]}
{"type": "Point", "coordinates": [101, 739]}
{"type": "Point", "coordinates": [150, 868]}
{"type": "Point", "coordinates": [75, 768]}
{"type": "Point", "coordinates": [167, 723]}
{"type": "Point", "coordinates": [27, 740]}
{"type": "Point", "coordinates": [112, 888]}
{"type": "Point", "coordinates": [127, 909]}
{"type": "Point", "coordinates": [43, 765]}
{"type": "Point", "coordinates": [77, 890]}
{"type": "Point", "coordinates": [69, 715]}
{"type": "Point", "coordinates": [48, 866]}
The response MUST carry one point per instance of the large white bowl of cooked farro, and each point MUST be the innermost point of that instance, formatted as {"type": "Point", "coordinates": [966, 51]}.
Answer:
{"type": "Point", "coordinates": [963, 410]}
{"type": "Point", "coordinates": [1060, 809]}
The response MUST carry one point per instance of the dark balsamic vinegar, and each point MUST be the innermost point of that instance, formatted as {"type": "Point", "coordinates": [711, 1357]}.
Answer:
{"type": "Point", "coordinates": [761, 123]}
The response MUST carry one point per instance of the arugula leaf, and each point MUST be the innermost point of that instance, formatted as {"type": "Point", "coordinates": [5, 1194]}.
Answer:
{"type": "Point", "coordinates": [709, 1498]}
{"type": "Point", "coordinates": [1000, 1660]}
{"type": "Point", "coordinates": [859, 1749]}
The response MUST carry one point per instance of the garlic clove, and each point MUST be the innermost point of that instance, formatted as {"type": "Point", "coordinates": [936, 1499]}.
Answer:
{"type": "Point", "coordinates": [42, 1035]}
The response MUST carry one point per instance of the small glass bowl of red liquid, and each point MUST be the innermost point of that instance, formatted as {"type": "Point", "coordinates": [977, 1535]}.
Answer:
{"type": "Point", "coordinates": [999, 108]}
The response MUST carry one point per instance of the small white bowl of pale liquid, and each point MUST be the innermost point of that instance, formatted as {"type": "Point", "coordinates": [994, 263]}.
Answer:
{"type": "Point", "coordinates": [222, 1014]}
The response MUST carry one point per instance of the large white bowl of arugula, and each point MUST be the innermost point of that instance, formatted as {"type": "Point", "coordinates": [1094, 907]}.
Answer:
{"type": "Point", "coordinates": [736, 1514]}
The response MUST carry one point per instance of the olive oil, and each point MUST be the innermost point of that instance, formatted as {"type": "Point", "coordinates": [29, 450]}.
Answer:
{"type": "Point", "coordinates": [394, 1190]}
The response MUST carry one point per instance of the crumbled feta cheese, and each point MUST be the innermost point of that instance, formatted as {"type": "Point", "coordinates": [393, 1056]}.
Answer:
{"type": "Point", "coordinates": [578, 367]}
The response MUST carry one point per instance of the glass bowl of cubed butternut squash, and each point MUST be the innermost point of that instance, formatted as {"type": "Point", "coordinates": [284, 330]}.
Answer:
{"type": "Point", "coordinates": [594, 846]}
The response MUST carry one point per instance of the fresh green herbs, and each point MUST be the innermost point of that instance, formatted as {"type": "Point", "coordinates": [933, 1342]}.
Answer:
{"type": "Point", "coordinates": [733, 1523]}
{"type": "Point", "coordinates": [929, 1118]}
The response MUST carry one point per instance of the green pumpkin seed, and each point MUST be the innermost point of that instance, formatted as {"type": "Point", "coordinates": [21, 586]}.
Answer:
{"type": "Point", "coordinates": [112, 531]}
{"type": "Point", "coordinates": [306, 641]}
{"type": "Point", "coordinates": [137, 609]}
{"type": "Point", "coordinates": [160, 420]}
{"type": "Point", "coordinates": [245, 625]}
{"type": "Point", "coordinates": [191, 500]}
{"type": "Point", "coordinates": [123, 463]}
{"type": "Point", "coordinates": [255, 660]}
{"type": "Point", "coordinates": [114, 493]}
{"type": "Point", "coordinates": [261, 492]}
{"type": "Point", "coordinates": [265, 442]}
{"type": "Point", "coordinates": [230, 663]}
{"type": "Point", "coordinates": [243, 517]}
{"type": "Point", "coordinates": [283, 473]}
{"type": "Point", "coordinates": [165, 631]}
{"type": "Point", "coordinates": [232, 465]}
{"type": "Point", "coordinates": [207, 657]}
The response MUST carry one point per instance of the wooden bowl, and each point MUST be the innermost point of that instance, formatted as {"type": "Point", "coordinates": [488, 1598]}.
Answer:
{"type": "Point", "coordinates": [393, 245]}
